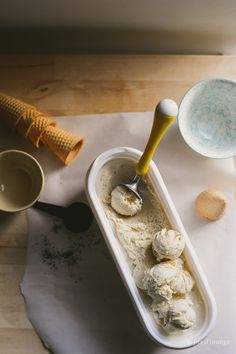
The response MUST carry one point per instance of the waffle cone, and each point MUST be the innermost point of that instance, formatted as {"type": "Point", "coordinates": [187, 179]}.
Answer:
{"type": "Point", "coordinates": [25, 122]}
{"type": "Point", "coordinates": [37, 129]}
{"type": "Point", "coordinates": [12, 109]}
{"type": "Point", "coordinates": [34, 126]}
{"type": "Point", "coordinates": [63, 144]}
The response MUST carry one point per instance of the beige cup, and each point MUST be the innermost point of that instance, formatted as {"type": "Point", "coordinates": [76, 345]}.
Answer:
{"type": "Point", "coordinates": [21, 180]}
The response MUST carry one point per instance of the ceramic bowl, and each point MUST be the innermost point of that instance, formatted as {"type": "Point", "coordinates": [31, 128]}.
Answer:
{"type": "Point", "coordinates": [21, 180]}
{"type": "Point", "coordinates": [207, 118]}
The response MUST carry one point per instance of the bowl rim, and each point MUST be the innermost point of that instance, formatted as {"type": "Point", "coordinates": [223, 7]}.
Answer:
{"type": "Point", "coordinates": [35, 161]}
{"type": "Point", "coordinates": [210, 79]}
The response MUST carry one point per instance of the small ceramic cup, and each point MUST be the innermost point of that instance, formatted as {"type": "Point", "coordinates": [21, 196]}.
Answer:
{"type": "Point", "coordinates": [21, 180]}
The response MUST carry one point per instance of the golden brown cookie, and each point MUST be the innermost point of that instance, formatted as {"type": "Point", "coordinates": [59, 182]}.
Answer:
{"type": "Point", "coordinates": [211, 204]}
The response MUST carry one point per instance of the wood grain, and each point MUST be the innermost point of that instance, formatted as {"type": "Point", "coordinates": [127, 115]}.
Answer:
{"type": "Point", "coordinates": [80, 84]}
{"type": "Point", "coordinates": [72, 85]}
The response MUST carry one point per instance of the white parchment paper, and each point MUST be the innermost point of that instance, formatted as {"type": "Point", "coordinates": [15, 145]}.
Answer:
{"type": "Point", "coordinates": [74, 296]}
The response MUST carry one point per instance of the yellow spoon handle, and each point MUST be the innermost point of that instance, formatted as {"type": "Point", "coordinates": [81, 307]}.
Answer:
{"type": "Point", "coordinates": [165, 114]}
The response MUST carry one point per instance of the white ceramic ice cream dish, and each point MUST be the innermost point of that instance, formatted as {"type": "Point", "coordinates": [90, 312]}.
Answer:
{"type": "Point", "coordinates": [183, 339]}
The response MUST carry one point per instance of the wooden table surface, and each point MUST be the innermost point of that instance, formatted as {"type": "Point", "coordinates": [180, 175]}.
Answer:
{"type": "Point", "coordinates": [72, 85]}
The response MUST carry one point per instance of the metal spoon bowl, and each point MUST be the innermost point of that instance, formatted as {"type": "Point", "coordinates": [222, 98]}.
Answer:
{"type": "Point", "coordinates": [133, 187]}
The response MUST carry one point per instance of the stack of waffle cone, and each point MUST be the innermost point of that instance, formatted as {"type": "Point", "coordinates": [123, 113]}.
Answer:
{"type": "Point", "coordinates": [35, 127]}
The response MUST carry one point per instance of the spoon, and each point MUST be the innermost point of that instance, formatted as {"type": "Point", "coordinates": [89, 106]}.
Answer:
{"type": "Point", "coordinates": [165, 114]}
{"type": "Point", "coordinates": [77, 217]}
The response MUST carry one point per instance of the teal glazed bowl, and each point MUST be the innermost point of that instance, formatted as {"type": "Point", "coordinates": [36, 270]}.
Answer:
{"type": "Point", "coordinates": [207, 118]}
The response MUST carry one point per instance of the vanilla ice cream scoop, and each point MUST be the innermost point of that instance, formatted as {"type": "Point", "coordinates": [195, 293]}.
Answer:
{"type": "Point", "coordinates": [176, 312]}
{"type": "Point", "coordinates": [166, 279]}
{"type": "Point", "coordinates": [182, 313]}
{"type": "Point", "coordinates": [167, 244]}
{"type": "Point", "coordinates": [124, 202]}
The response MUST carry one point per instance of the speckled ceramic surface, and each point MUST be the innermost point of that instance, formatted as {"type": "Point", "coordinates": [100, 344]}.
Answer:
{"type": "Point", "coordinates": [207, 118]}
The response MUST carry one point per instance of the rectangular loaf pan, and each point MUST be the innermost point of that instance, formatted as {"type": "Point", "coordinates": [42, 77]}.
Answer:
{"type": "Point", "coordinates": [184, 339]}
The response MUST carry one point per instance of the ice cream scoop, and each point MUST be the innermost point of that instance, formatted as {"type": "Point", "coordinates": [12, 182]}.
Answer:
{"type": "Point", "coordinates": [166, 279]}
{"type": "Point", "coordinates": [178, 313]}
{"type": "Point", "coordinates": [125, 203]}
{"type": "Point", "coordinates": [167, 244]}
{"type": "Point", "coordinates": [182, 313]}
{"type": "Point", "coordinates": [164, 116]}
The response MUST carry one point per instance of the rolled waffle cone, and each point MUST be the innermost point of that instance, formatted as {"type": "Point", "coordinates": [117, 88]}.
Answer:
{"type": "Point", "coordinates": [24, 123]}
{"type": "Point", "coordinates": [37, 129]}
{"type": "Point", "coordinates": [34, 126]}
{"type": "Point", "coordinates": [12, 109]}
{"type": "Point", "coordinates": [65, 145]}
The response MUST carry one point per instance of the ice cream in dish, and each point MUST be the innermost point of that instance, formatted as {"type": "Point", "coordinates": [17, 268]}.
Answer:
{"type": "Point", "coordinates": [175, 313]}
{"type": "Point", "coordinates": [125, 202]}
{"type": "Point", "coordinates": [167, 279]}
{"type": "Point", "coordinates": [167, 244]}
{"type": "Point", "coordinates": [154, 252]}
{"type": "Point", "coordinates": [131, 249]}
